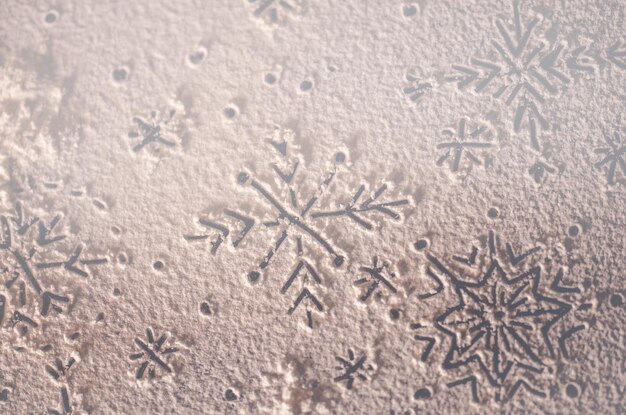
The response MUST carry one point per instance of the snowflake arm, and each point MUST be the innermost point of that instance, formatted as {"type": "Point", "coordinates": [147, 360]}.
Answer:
{"type": "Point", "coordinates": [355, 212]}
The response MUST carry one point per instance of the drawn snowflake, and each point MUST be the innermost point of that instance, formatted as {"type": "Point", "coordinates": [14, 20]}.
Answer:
{"type": "Point", "coordinates": [153, 354]}
{"type": "Point", "coordinates": [153, 131]}
{"type": "Point", "coordinates": [527, 69]}
{"type": "Point", "coordinates": [614, 159]}
{"type": "Point", "coordinates": [352, 368]}
{"type": "Point", "coordinates": [297, 218]}
{"type": "Point", "coordinates": [375, 278]}
{"type": "Point", "coordinates": [503, 322]}
{"type": "Point", "coordinates": [417, 88]}
{"type": "Point", "coordinates": [460, 148]}
{"type": "Point", "coordinates": [26, 285]}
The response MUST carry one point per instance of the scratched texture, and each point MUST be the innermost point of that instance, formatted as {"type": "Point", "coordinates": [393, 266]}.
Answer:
{"type": "Point", "coordinates": [312, 206]}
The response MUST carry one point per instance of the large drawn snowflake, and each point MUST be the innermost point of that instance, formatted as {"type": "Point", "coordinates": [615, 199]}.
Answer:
{"type": "Point", "coordinates": [297, 217]}
{"type": "Point", "coordinates": [27, 254]}
{"type": "Point", "coordinates": [526, 69]}
{"type": "Point", "coordinates": [505, 318]}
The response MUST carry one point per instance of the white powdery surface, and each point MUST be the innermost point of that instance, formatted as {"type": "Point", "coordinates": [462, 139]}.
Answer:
{"type": "Point", "coordinates": [312, 206]}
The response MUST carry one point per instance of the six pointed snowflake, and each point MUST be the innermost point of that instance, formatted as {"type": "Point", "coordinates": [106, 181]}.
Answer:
{"type": "Point", "coordinates": [153, 354]}
{"type": "Point", "coordinates": [352, 368]}
{"type": "Point", "coordinates": [614, 157]}
{"type": "Point", "coordinates": [460, 147]}
{"type": "Point", "coordinates": [152, 132]}
{"type": "Point", "coordinates": [525, 71]}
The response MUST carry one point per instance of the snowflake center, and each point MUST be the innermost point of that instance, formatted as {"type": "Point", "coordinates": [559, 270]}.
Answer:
{"type": "Point", "coordinates": [518, 73]}
{"type": "Point", "coordinates": [521, 68]}
{"type": "Point", "coordinates": [497, 316]}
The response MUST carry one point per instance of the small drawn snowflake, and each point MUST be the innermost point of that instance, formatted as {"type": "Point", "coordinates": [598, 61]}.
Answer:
{"type": "Point", "coordinates": [153, 355]}
{"type": "Point", "coordinates": [352, 368]}
{"type": "Point", "coordinates": [417, 87]}
{"type": "Point", "coordinates": [614, 158]}
{"type": "Point", "coordinates": [464, 145]}
{"type": "Point", "coordinates": [155, 131]}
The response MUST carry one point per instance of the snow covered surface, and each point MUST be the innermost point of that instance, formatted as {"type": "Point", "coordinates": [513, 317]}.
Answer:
{"type": "Point", "coordinates": [312, 206]}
